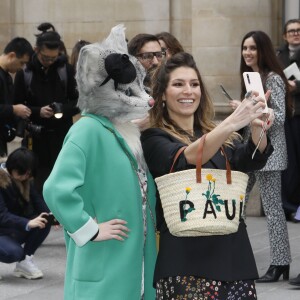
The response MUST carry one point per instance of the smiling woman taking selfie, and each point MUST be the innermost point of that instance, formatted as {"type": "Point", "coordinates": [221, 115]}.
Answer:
{"type": "Point", "coordinates": [213, 266]}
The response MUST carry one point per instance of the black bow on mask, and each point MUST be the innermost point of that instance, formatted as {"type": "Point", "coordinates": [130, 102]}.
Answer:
{"type": "Point", "coordinates": [119, 68]}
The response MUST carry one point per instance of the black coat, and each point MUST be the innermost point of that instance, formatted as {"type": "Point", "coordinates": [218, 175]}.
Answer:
{"type": "Point", "coordinates": [226, 258]}
{"type": "Point", "coordinates": [283, 54]}
{"type": "Point", "coordinates": [6, 109]}
{"type": "Point", "coordinates": [290, 177]}
{"type": "Point", "coordinates": [46, 88]}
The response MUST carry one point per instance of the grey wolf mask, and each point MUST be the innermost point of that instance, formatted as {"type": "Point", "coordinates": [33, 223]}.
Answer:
{"type": "Point", "coordinates": [110, 84]}
{"type": "Point", "coordinates": [106, 80]}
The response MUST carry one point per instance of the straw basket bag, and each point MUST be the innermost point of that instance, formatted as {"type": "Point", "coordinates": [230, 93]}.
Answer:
{"type": "Point", "coordinates": [201, 202]}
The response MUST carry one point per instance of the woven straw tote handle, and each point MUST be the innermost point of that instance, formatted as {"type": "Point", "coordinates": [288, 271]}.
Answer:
{"type": "Point", "coordinates": [199, 161]}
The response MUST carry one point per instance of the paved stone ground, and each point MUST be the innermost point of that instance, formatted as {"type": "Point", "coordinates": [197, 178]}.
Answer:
{"type": "Point", "coordinates": [51, 259]}
{"type": "Point", "coordinates": [280, 290]}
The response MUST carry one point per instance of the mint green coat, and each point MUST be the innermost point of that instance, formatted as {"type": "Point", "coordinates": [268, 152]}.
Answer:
{"type": "Point", "coordinates": [93, 178]}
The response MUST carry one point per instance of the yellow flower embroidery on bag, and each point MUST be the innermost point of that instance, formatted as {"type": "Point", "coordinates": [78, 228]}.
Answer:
{"type": "Point", "coordinates": [213, 203]}
{"type": "Point", "coordinates": [210, 193]}
{"type": "Point", "coordinates": [184, 210]}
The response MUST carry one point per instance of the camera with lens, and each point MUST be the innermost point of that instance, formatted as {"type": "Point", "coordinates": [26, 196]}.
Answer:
{"type": "Point", "coordinates": [57, 109]}
{"type": "Point", "coordinates": [25, 124]}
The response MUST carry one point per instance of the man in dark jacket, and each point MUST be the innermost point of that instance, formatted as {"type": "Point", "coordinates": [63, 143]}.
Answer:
{"type": "Point", "coordinates": [15, 55]}
{"type": "Point", "coordinates": [48, 79]}
{"type": "Point", "coordinates": [288, 54]}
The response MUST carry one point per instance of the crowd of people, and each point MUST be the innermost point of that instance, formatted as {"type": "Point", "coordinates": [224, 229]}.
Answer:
{"type": "Point", "coordinates": [54, 152]}
{"type": "Point", "coordinates": [44, 82]}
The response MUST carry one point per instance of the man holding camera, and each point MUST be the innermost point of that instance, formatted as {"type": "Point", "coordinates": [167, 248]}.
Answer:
{"type": "Point", "coordinates": [47, 85]}
{"type": "Point", "coordinates": [15, 55]}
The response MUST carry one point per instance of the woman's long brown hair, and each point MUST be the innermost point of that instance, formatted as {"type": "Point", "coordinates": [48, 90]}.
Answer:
{"type": "Point", "coordinates": [267, 62]}
{"type": "Point", "coordinates": [159, 117]}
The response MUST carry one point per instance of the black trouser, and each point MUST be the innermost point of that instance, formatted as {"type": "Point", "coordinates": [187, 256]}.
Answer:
{"type": "Point", "coordinates": [3, 147]}
{"type": "Point", "coordinates": [46, 147]}
{"type": "Point", "coordinates": [11, 249]}
{"type": "Point", "coordinates": [291, 176]}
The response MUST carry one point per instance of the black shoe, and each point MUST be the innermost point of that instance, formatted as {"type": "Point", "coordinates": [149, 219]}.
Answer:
{"type": "Point", "coordinates": [291, 217]}
{"type": "Point", "coordinates": [274, 273]}
{"type": "Point", "coordinates": [295, 281]}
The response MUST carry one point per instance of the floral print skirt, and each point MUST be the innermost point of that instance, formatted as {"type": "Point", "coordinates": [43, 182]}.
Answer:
{"type": "Point", "coordinates": [195, 288]}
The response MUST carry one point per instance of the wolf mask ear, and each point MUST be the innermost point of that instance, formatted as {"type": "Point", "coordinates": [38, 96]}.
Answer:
{"type": "Point", "coordinates": [119, 68]}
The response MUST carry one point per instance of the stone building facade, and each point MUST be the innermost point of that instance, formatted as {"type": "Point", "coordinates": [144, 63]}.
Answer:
{"type": "Point", "coordinates": [210, 29]}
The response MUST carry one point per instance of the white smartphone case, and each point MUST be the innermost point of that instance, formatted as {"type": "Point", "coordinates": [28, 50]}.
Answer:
{"type": "Point", "coordinates": [253, 82]}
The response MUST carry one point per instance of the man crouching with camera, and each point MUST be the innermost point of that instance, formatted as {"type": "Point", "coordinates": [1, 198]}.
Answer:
{"type": "Point", "coordinates": [23, 214]}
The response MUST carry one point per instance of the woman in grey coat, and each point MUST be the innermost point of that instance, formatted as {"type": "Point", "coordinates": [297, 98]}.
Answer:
{"type": "Point", "coordinates": [258, 55]}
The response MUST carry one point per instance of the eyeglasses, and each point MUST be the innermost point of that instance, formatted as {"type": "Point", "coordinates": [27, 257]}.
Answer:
{"type": "Point", "coordinates": [293, 31]}
{"type": "Point", "coordinates": [148, 56]}
{"type": "Point", "coordinates": [46, 58]}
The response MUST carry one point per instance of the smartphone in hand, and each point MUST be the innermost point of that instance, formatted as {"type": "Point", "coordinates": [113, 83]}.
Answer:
{"type": "Point", "coordinates": [253, 82]}
{"type": "Point", "coordinates": [51, 219]}
{"type": "Point", "coordinates": [225, 92]}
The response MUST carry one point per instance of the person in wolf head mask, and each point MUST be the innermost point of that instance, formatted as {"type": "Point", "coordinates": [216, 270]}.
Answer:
{"type": "Point", "coordinates": [100, 189]}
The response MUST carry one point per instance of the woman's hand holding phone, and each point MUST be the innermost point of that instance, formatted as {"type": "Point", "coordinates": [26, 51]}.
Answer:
{"type": "Point", "coordinates": [252, 81]}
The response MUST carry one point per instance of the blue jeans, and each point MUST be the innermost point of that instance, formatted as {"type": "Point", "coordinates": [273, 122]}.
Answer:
{"type": "Point", "coordinates": [11, 249]}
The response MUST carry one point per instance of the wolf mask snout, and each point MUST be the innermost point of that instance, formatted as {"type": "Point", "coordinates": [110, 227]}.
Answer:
{"type": "Point", "coordinates": [119, 68]}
